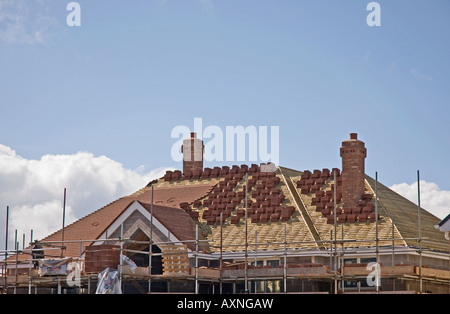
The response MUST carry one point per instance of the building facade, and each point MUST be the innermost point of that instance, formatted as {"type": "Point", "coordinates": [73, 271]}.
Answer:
{"type": "Point", "coordinates": [246, 229]}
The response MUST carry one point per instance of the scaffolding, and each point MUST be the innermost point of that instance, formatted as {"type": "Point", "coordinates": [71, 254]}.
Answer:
{"type": "Point", "coordinates": [227, 265]}
{"type": "Point", "coordinates": [23, 269]}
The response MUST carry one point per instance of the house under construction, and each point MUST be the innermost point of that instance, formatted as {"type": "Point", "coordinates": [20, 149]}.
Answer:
{"type": "Point", "coordinates": [244, 229]}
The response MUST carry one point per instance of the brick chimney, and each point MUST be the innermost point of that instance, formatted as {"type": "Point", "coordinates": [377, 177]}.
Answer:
{"type": "Point", "coordinates": [192, 150]}
{"type": "Point", "coordinates": [353, 153]}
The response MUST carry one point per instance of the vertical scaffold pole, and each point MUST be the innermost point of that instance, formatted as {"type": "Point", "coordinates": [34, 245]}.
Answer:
{"type": "Point", "coordinates": [196, 259]}
{"type": "Point", "coordinates": [121, 252]}
{"type": "Point", "coordinates": [256, 256]}
{"type": "Point", "coordinates": [246, 237]}
{"type": "Point", "coordinates": [377, 282]}
{"type": "Point", "coordinates": [150, 246]}
{"type": "Point", "coordinates": [285, 262]}
{"type": "Point", "coordinates": [31, 262]}
{"type": "Point", "coordinates": [6, 250]}
{"type": "Point", "coordinates": [63, 223]}
{"type": "Point", "coordinates": [16, 248]}
{"type": "Point", "coordinates": [420, 231]}
{"type": "Point", "coordinates": [335, 235]}
{"type": "Point", "coordinates": [221, 253]}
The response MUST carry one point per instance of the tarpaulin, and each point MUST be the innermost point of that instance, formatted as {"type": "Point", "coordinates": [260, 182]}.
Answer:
{"type": "Point", "coordinates": [108, 282]}
{"type": "Point", "coordinates": [52, 267]}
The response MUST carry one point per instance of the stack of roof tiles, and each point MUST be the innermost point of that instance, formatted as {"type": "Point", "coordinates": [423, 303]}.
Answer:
{"type": "Point", "coordinates": [277, 202]}
{"type": "Point", "coordinates": [99, 257]}
{"type": "Point", "coordinates": [314, 184]}
{"type": "Point", "coordinates": [227, 199]}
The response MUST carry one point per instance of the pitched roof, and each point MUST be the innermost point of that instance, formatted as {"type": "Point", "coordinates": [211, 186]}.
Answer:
{"type": "Point", "coordinates": [275, 203]}
{"type": "Point", "coordinates": [93, 225]}
{"type": "Point", "coordinates": [354, 232]}
{"type": "Point", "coordinates": [404, 214]}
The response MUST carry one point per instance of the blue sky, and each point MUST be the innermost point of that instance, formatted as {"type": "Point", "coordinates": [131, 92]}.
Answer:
{"type": "Point", "coordinates": [117, 85]}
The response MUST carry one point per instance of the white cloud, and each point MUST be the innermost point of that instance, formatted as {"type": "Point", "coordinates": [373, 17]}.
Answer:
{"type": "Point", "coordinates": [34, 189]}
{"type": "Point", "coordinates": [43, 219]}
{"type": "Point", "coordinates": [432, 198]}
{"type": "Point", "coordinates": [20, 24]}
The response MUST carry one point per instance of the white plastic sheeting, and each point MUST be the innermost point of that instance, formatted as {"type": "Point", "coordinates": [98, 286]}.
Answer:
{"type": "Point", "coordinates": [109, 282]}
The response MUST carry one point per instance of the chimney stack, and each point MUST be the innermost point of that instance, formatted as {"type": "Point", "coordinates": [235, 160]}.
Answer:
{"type": "Point", "coordinates": [192, 150]}
{"type": "Point", "coordinates": [353, 153]}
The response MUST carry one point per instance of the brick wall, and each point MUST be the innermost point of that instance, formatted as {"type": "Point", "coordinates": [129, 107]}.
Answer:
{"type": "Point", "coordinates": [192, 154]}
{"type": "Point", "coordinates": [99, 257]}
{"type": "Point", "coordinates": [353, 153]}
